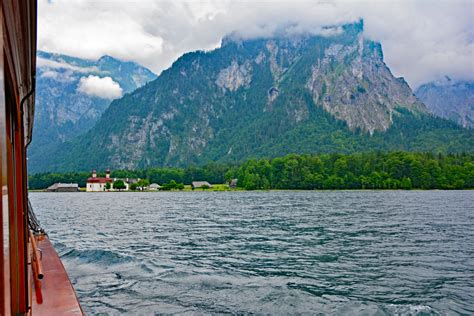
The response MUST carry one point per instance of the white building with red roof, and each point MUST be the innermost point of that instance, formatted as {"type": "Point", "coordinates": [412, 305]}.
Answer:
{"type": "Point", "coordinates": [98, 184]}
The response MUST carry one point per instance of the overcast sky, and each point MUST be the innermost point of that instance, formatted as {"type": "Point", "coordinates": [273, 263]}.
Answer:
{"type": "Point", "coordinates": [422, 40]}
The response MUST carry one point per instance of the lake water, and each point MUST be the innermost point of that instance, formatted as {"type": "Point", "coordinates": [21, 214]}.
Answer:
{"type": "Point", "coordinates": [345, 252]}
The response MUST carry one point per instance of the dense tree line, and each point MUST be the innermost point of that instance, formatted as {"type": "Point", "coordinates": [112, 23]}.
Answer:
{"type": "Point", "coordinates": [43, 180]}
{"type": "Point", "coordinates": [395, 170]}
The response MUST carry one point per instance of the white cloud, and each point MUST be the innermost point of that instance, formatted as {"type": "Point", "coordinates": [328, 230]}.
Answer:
{"type": "Point", "coordinates": [422, 40]}
{"type": "Point", "coordinates": [65, 76]}
{"type": "Point", "coordinates": [47, 63]}
{"type": "Point", "coordinates": [104, 88]}
{"type": "Point", "coordinates": [50, 74]}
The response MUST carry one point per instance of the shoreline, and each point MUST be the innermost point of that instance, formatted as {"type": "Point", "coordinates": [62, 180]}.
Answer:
{"type": "Point", "coordinates": [243, 190]}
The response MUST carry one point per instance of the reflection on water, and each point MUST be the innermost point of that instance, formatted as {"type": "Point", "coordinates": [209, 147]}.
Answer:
{"type": "Point", "coordinates": [384, 252]}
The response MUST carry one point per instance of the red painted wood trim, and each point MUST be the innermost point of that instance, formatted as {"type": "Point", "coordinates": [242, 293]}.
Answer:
{"type": "Point", "coordinates": [57, 294]}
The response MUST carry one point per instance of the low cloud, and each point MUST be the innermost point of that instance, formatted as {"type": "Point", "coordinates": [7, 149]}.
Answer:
{"type": "Point", "coordinates": [422, 40]}
{"type": "Point", "coordinates": [50, 74]}
{"type": "Point", "coordinates": [104, 88]}
{"type": "Point", "coordinates": [64, 76]}
{"type": "Point", "coordinates": [47, 63]}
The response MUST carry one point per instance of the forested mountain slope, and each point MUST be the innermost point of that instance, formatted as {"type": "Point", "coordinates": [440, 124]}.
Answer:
{"type": "Point", "coordinates": [264, 98]}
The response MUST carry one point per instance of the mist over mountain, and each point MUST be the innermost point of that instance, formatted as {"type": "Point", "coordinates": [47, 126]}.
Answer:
{"type": "Point", "coordinates": [450, 99]}
{"type": "Point", "coordinates": [263, 98]}
{"type": "Point", "coordinates": [72, 93]}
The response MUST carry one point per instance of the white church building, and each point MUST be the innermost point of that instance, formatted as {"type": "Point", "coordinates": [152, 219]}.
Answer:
{"type": "Point", "coordinates": [98, 184]}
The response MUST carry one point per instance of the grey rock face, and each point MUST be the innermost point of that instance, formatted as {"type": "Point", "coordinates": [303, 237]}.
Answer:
{"type": "Point", "coordinates": [353, 83]}
{"type": "Point", "coordinates": [62, 110]}
{"type": "Point", "coordinates": [450, 99]}
{"type": "Point", "coordinates": [235, 76]}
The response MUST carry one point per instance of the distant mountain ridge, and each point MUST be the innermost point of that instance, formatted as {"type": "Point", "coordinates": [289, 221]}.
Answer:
{"type": "Point", "coordinates": [264, 98]}
{"type": "Point", "coordinates": [450, 99]}
{"type": "Point", "coordinates": [64, 111]}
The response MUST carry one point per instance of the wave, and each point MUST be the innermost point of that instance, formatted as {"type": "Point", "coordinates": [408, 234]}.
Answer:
{"type": "Point", "coordinates": [96, 256]}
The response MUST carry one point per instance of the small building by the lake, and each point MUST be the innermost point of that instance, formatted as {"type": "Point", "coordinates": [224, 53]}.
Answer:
{"type": "Point", "coordinates": [63, 187]}
{"type": "Point", "coordinates": [200, 185]}
{"type": "Point", "coordinates": [98, 184]}
{"type": "Point", "coordinates": [154, 187]}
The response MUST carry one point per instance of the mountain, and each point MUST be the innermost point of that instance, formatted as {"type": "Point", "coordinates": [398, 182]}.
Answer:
{"type": "Point", "coordinates": [72, 93]}
{"type": "Point", "coordinates": [263, 98]}
{"type": "Point", "coordinates": [450, 99]}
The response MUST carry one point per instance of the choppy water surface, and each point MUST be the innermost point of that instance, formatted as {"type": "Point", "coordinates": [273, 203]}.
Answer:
{"type": "Point", "coordinates": [342, 252]}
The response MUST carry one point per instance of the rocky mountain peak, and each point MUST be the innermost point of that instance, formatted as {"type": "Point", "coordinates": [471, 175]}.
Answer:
{"type": "Point", "coordinates": [259, 97]}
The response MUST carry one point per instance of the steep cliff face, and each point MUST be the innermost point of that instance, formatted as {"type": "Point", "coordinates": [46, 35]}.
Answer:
{"type": "Point", "coordinates": [264, 97]}
{"type": "Point", "coordinates": [353, 83]}
{"type": "Point", "coordinates": [450, 99]}
{"type": "Point", "coordinates": [63, 110]}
